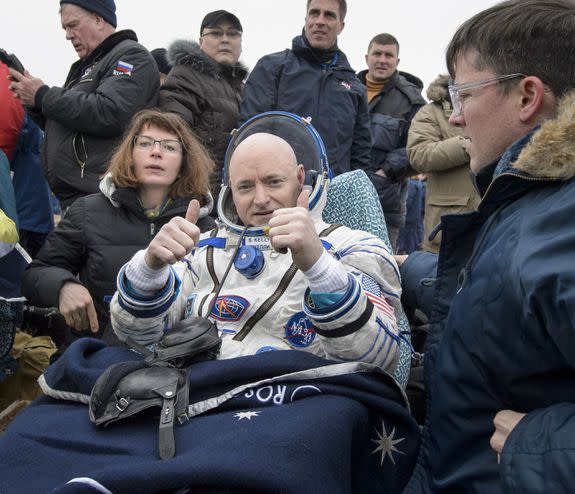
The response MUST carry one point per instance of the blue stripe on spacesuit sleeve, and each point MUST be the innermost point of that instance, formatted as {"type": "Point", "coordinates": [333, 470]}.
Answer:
{"type": "Point", "coordinates": [364, 357]}
{"type": "Point", "coordinates": [384, 340]}
{"type": "Point", "coordinates": [340, 308]}
{"type": "Point", "coordinates": [146, 307]}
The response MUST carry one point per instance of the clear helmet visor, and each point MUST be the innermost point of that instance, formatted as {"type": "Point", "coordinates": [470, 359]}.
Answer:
{"type": "Point", "coordinates": [307, 146]}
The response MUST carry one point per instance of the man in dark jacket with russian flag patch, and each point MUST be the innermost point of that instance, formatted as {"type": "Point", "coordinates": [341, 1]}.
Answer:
{"type": "Point", "coordinates": [83, 120]}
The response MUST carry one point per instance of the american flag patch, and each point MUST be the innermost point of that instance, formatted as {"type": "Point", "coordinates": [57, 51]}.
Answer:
{"type": "Point", "coordinates": [123, 68]}
{"type": "Point", "coordinates": [373, 292]}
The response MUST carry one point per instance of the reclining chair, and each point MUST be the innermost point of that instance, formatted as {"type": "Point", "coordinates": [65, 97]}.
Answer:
{"type": "Point", "coordinates": [353, 202]}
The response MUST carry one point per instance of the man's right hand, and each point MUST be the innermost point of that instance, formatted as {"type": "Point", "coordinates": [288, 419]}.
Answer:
{"type": "Point", "coordinates": [24, 86]}
{"type": "Point", "coordinates": [175, 239]}
{"type": "Point", "coordinates": [76, 305]}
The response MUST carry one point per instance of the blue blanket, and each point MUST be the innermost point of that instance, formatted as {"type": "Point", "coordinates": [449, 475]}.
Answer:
{"type": "Point", "coordinates": [284, 422]}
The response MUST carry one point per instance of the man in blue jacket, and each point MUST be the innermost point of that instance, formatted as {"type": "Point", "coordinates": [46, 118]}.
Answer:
{"type": "Point", "coordinates": [500, 356]}
{"type": "Point", "coordinates": [314, 79]}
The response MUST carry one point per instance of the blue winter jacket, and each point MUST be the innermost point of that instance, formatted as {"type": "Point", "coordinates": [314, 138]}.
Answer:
{"type": "Point", "coordinates": [298, 81]}
{"type": "Point", "coordinates": [503, 327]}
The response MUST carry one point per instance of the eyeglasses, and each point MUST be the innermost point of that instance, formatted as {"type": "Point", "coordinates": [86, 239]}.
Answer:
{"type": "Point", "coordinates": [218, 34]}
{"type": "Point", "coordinates": [455, 90]}
{"type": "Point", "coordinates": [146, 143]}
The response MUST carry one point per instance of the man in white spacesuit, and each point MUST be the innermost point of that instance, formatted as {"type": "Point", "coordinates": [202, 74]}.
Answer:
{"type": "Point", "coordinates": [292, 282]}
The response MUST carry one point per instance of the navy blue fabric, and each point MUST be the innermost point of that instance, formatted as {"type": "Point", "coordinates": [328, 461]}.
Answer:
{"type": "Point", "coordinates": [7, 198]}
{"type": "Point", "coordinates": [541, 449]}
{"type": "Point", "coordinates": [502, 337]}
{"type": "Point", "coordinates": [33, 196]}
{"type": "Point", "coordinates": [411, 235]}
{"type": "Point", "coordinates": [316, 435]}
{"type": "Point", "coordinates": [12, 265]}
{"type": "Point", "coordinates": [418, 274]}
{"type": "Point", "coordinates": [299, 82]}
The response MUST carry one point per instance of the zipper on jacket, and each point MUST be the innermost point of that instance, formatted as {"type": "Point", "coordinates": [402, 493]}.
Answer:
{"type": "Point", "coordinates": [152, 229]}
{"type": "Point", "coordinates": [321, 92]}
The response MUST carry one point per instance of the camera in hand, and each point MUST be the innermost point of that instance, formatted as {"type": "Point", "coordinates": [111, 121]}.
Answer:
{"type": "Point", "coordinates": [11, 61]}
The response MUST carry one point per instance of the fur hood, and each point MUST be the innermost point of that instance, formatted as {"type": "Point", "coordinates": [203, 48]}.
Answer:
{"type": "Point", "coordinates": [184, 52]}
{"type": "Point", "coordinates": [551, 150]}
{"type": "Point", "coordinates": [437, 90]}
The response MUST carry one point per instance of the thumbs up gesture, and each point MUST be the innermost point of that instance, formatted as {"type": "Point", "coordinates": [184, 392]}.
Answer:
{"type": "Point", "coordinates": [294, 229]}
{"type": "Point", "coordinates": [175, 239]}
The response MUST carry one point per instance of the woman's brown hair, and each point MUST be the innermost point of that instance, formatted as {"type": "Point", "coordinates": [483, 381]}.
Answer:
{"type": "Point", "coordinates": [194, 177]}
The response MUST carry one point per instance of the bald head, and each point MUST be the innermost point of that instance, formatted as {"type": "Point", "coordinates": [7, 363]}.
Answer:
{"type": "Point", "coordinates": [262, 145]}
{"type": "Point", "coordinates": [264, 176]}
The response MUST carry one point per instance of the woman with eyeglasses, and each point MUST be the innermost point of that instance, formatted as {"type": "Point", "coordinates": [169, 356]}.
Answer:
{"type": "Point", "coordinates": [154, 173]}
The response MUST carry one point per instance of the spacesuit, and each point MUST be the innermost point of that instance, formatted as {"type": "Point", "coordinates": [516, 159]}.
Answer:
{"type": "Point", "coordinates": [264, 302]}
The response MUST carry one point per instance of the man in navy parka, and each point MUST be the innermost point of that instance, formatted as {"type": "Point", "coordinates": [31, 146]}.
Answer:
{"type": "Point", "coordinates": [500, 355]}
{"type": "Point", "coordinates": [314, 79]}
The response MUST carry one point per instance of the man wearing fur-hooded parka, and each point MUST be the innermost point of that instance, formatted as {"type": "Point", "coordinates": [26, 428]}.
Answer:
{"type": "Point", "coordinates": [205, 85]}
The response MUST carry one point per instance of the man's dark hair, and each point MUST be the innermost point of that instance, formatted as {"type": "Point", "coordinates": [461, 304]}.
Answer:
{"type": "Point", "coordinates": [342, 8]}
{"type": "Point", "coordinates": [531, 37]}
{"type": "Point", "coordinates": [384, 39]}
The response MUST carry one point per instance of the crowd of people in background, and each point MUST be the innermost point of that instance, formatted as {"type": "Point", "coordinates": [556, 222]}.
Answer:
{"type": "Point", "coordinates": [474, 183]}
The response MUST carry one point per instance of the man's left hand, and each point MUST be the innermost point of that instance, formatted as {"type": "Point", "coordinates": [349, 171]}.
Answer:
{"type": "Point", "coordinates": [293, 228]}
{"type": "Point", "coordinates": [505, 421]}
{"type": "Point", "coordinates": [24, 86]}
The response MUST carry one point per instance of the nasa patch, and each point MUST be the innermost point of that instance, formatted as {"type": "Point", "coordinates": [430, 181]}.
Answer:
{"type": "Point", "coordinates": [299, 331]}
{"type": "Point", "coordinates": [229, 308]}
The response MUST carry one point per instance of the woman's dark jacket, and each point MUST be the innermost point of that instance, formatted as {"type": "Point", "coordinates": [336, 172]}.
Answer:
{"type": "Point", "coordinates": [97, 236]}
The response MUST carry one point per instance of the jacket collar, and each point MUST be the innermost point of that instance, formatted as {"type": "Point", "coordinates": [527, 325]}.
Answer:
{"type": "Point", "coordinates": [127, 197]}
{"type": "Point", "coordinates": [318, 57]}
{"type": "Point", "coordinates": [102, 49]}
{"type": "Point", "coordinates": [392, 81]}
{"type": "Point", "coordinates": [549, 151]}
{"type": "Point", "coordinates": [184, 52]}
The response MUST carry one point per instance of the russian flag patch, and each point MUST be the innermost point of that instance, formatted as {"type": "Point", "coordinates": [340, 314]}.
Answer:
{"type": "Point", "coordinates": [123, 68]}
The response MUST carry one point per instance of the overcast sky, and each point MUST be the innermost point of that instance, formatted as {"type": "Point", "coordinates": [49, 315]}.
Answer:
{"type": "Point", "coordinates": [31, 29]}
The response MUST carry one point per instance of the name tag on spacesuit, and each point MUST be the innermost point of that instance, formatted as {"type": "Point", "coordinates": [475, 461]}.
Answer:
{"type": "Point", "coordinates": [261, 243]}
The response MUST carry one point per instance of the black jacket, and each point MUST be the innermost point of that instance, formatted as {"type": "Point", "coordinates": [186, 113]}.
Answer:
{"type": "Point", "coordinates": [299, 82]}
{"type": "Point", "coordinates": [85, 119]}
{"type": "Point", "coordinates": [207, 94]}
{"type": "Point", "coordinates": [94, 240]}
{"type": "Point", "coordinates": [390, 114]}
